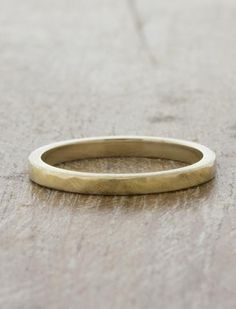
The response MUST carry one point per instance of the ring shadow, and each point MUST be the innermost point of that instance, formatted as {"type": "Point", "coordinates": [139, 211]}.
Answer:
{"type": "Point", "coordinates": [182, 199]}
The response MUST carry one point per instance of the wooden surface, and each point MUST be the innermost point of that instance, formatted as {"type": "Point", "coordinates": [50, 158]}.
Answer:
{"type": "Point", "coordinates": [87, 68]}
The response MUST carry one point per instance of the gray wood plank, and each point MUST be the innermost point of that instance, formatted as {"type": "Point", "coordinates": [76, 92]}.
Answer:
{"type": "Point", "coordinates": [87, 68]}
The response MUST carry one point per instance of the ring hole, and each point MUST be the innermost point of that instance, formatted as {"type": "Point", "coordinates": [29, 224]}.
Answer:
{"type": "Point", "coordinates": [121, 165]}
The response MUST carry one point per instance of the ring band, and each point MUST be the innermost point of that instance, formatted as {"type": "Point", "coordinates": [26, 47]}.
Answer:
{"type": "Point", "coordinates": [200, 168]}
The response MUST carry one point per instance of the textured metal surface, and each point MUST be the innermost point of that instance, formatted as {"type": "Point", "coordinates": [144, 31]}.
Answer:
{"type": "Point", "coordinates": [200, 168]}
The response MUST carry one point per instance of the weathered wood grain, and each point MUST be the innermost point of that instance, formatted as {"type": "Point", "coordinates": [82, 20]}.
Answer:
{"type": "Point", "coordinates": [87, 68]}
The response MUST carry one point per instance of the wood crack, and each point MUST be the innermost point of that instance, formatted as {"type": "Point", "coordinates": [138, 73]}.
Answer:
{"type": "Point", "coordinates": [138, 23]}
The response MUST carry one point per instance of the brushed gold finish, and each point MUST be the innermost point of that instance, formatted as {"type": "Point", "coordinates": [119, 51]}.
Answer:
{"type": "Point", "coordinates": [200, 168]}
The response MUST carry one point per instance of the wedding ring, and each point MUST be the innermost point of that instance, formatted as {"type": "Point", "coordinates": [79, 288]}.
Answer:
{"type": "Point", "coordinates": [200, 167]}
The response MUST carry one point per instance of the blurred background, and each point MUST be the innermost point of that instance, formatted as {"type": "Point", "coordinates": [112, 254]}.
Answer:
{"type": "Point", "coordinates": [71, 69]}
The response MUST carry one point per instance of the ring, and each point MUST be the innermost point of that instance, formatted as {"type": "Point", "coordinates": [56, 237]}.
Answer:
{"type": "Point", "coordinates": [200, 168]}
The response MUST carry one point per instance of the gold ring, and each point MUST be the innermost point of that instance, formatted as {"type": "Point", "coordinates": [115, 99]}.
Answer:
{"type": "Point", "coordinates": [200, 168]}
